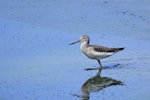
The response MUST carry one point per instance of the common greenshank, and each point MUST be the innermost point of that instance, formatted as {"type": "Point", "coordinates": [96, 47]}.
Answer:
{"type": "Point", "coordinates": [94, 51]}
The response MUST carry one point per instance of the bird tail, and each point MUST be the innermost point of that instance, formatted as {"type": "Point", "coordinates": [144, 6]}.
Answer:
{"type": "Point", "coordinates": [118, 49]}
{"type": "Point", "coordinates": [121, 49]}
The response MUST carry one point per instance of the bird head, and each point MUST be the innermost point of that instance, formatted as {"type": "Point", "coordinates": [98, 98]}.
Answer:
{"type": "Point", "coordinates": [84, 38]}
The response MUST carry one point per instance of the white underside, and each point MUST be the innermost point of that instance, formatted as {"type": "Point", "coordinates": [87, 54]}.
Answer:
{"type": "Point", "coordinates": [98, 55]}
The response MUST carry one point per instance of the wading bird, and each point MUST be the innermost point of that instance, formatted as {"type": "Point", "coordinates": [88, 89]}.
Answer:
{"type": "Point", "coordinates": [94, 51]}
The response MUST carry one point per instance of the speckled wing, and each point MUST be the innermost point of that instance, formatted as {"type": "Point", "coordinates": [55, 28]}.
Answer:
{"type": "Point", "coordinates": [106, 49]}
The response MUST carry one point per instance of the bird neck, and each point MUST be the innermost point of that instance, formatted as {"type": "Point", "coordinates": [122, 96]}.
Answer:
{"type": "Point", "coordinates": [84, 45]}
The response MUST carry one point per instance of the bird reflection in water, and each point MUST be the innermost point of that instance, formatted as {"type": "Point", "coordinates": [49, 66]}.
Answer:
{"type": "Point", "coordinates": [97, 83]}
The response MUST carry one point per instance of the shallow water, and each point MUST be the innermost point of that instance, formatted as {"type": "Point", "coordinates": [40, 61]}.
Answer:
{"type": "Point", "coordinates": [96, 84]}
{"type": "Point", "coordinates": [36, 62]}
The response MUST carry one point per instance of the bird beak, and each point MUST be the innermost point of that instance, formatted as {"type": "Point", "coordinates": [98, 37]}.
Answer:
{"type": "Point", "coordinates": [74, 42]}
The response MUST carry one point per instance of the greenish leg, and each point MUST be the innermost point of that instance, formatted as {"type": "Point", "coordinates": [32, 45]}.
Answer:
{"type": "Point", "coordinates": [100, 68]}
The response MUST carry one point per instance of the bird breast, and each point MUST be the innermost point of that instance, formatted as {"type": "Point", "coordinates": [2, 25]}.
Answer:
{"type": "Point", "coordinates": [87, 50]}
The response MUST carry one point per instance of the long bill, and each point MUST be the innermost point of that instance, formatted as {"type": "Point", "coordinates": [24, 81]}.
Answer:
{"type": "Point", "coordinates": [74, 42]}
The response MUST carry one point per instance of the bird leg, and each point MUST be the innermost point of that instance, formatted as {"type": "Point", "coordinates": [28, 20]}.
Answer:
{"type": "Point", "coordinates": [100, 68]}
